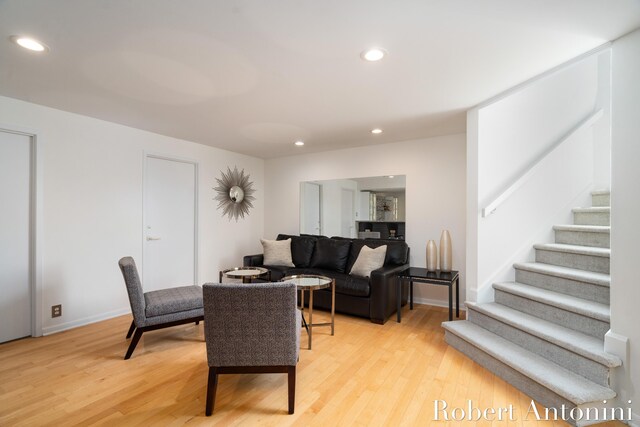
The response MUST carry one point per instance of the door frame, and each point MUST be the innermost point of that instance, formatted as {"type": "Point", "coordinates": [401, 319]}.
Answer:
{"type": "Point", "coordinates": [153, 155]}
{"type": "Point", "coordinates": [303, 207]}
{"type": "Point", "coordinates": [35, 222]}
{"type": "Point", "coordinates": [353, 209]}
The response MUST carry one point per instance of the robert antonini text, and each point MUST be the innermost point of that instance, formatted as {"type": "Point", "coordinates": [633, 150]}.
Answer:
{"type": "Point", "coordinates": [442, 412]}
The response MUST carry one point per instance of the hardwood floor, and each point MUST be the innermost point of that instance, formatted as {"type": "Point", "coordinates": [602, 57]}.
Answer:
{"type": "Point", "coordinates": [365, 375]}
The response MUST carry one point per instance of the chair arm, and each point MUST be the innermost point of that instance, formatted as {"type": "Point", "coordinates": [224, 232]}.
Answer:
{"type": "Point", "coordinates": [383, 300]}
{"type": "Point", "coordinates": [253, 260]}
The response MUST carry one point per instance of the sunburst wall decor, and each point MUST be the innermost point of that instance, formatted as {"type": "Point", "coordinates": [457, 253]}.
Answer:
{"type": "Point", "coordinates": [235, 193]}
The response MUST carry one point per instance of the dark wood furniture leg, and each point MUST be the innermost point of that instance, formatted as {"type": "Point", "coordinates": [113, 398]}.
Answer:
{"type": "Point", "coordinates": [399, 299]}
{"type": "Point", "coordinates": [134, 343]}
{"type": "Point", "coordinates": [131, 329]}
{"type": "Point", "coordinates": [212, 383]}
{"type": "Point", "coordinates": [292, 388]}
{"type": "Point", "coordinates": [450, 302]}
{"type": "Point", "coordinates": [212, 386]}
{"type": "Point", "coordinates": [458, 296]}
{"type": "Point", "coordinates": [410, 294]}
{"type": "Point", "coordinates": [140, 331]}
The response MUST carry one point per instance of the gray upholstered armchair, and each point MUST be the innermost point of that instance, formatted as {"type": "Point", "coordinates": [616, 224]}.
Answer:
{"type": "Point", "coordinates": [251, 328]}
{"type": "Point", "coordinates": [158, 309]}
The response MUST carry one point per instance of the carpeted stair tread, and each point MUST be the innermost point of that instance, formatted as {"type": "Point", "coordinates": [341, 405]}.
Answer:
{"type": "Point", "coordinates": [574, 249]}
{"type": "Point", "coordinates": [593, 209]}
{"type": "Point", "coordinates": [605, 229]}
{"type": "Point", "coordinates": [563, 382]}
{"type": "Point", "coordinates": [592, 309]}
{"type": "Point", "coordinates": [600, 192]}
{"type": "Point", "coordinates": [572, 340]}
{"type": "Point", "coordinates": [599, 279]}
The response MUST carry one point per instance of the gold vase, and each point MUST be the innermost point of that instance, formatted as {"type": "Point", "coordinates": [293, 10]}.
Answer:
{"type": "Point", "coordinates": [445, 252]}
{"type": "Point", "coordinates": [432, 256]}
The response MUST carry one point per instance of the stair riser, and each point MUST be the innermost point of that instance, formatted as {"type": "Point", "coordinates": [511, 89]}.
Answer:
{"type": "Point", "coordinates": [535, 390]}
{"type": "Point", "coordinates": [575, 288]}
{"type": "Point", "coordinates": [578, 322]}
{"type": "Point", "coordinates": [582, 262]}
{"type": "Point", "coordinates": [582, 238]}
{"type": "Point", "coordinates": [600, 200]}
{"type": "Point", "coordinates": [592, 218]}
{"type": "Point", "coordinates": [581, 365]}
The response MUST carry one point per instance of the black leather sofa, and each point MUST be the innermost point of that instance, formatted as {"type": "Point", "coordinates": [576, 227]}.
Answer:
{"type": "Point", "coordinates": [371, 297]}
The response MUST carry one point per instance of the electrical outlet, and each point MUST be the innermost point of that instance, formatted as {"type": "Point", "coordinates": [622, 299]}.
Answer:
{"type": "Point", "coordinates": [56, 310]}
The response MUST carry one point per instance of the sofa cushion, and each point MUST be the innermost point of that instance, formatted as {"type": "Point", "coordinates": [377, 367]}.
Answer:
{"type": "Point", "coordinates": [345, 284]}
{"type": "Point", "coordinates": [368, 260]}
{"type": "Point", "coordinates": [301, 249]}
{"type": "Point", "coordinates": [278, 271]}
{"type": "Point", "coordinates": [277, 252]}
{"type": "Point", "coordinates": [331, 254]}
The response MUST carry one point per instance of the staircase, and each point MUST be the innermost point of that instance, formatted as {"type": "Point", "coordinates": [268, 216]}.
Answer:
{"type": "Point", "coordinates": [544, 333]}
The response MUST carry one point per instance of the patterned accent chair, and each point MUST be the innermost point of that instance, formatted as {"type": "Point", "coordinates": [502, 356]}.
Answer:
{"type": "Point", "coordinates": [158, 309]}
{"type": "Point", "coordinates": [251, 328]}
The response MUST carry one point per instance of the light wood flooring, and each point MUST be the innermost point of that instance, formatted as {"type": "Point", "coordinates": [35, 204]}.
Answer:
{"type": "Point", "coordinates": [365, 375]}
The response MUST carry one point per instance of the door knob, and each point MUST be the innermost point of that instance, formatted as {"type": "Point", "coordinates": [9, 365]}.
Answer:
{"type": "Point", "coordinates": [153, 238]}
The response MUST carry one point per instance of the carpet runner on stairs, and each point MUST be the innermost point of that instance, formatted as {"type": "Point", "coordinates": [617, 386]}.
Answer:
{"type": "Point", "coordinates": [544, 333]}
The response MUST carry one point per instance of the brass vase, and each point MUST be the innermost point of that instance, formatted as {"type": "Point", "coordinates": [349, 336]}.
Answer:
{"type": "Point", "coordinates": [445, 252]}
{"type": "Point", "coordinates": [432, 256]}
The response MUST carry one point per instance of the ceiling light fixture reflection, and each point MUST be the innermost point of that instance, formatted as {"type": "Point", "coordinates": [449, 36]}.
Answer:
{"type": "Point", "coordinates": [299, 143]}
{"type": "Point", "coordinates": [373, 54]}
{"type": "Point", "coordinates": [390, 176]}
{"type": "Point", "coordinates": [376, 131]}
{"type": "Point", "coordinates": [29, 43]}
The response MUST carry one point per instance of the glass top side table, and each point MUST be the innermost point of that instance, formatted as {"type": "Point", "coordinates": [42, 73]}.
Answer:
{"type": "Point", "coordinates": [246, 273]}
{"type": "Point", "coordinates": [312, 282]}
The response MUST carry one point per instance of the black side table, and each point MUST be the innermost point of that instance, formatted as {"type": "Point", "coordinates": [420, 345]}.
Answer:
{"type": "Point", "coordinates": [422, 275]}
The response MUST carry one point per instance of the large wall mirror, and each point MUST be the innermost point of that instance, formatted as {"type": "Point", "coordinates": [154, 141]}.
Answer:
{"type": "Point", "coordinates": [370, 207]}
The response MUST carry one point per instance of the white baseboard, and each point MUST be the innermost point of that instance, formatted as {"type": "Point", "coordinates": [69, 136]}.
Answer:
{"type": "Point", "coordinates": [48, 330]}
{"type": "Point", "coordinates": [437, 303]}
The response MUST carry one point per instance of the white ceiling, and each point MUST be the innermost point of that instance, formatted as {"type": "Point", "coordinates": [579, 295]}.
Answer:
{"type": "Point", "coordinates": [253, 76]}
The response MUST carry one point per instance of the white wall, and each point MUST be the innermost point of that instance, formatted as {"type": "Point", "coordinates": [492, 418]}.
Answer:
{"type": "Point", "coordinates": [435, 192]}
{"type": "Point", "coordinates": [92, 208]}
{"type": "Point", "coordinates": [625, 212]}
{"type": "Point", "coordinates": [508, 134]}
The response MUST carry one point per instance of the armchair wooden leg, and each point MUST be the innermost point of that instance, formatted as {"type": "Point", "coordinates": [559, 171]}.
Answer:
{"type": "Point", "coordinates": [291, 371]}
{"type": "Point", "coordinates": [134, 343]}
{"type": "Point", "coordinates": [131, 329]}
{"type": "Point", "coordinates": [197, 322]}
{"type": "Point", "coordinates": [212, 385]}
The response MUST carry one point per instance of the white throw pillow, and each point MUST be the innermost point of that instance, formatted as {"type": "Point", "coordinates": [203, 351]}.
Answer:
{"type": "Point", "coordinates": [277, 252]}
{"type": "Point", "coordinates": [368, 260]}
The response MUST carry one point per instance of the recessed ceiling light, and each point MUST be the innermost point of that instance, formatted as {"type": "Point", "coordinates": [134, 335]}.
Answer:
{"type": "Point", "coordinates": [376, 131]}
{"type": "Point", "coordinates": [373, 54]}
{"type": "Point", "coordinates": [29, 43]}
{"type": "Point", "coordinates": [299, 143]}
{"type": "Point", "coordinates": [390, 176]}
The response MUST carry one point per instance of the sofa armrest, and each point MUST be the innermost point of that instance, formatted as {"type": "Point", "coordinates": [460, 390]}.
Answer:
{"type": "Point", "coordinates": [383, 299]}
{"type": "Point", "coordinates": [253, 260]}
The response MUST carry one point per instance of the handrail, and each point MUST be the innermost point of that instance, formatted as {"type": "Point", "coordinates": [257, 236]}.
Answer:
{"type": "Point", "coordinates": [491, 207]}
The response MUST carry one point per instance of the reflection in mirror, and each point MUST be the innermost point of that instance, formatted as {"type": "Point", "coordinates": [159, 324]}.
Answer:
{"type": "Point", "coordinates": [236, 194]}
{"type": "Point", "coordinates": [370, 207]}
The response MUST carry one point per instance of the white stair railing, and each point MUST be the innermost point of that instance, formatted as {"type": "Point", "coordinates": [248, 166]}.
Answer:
{"type": "Point", "coordinates": [531, 170]}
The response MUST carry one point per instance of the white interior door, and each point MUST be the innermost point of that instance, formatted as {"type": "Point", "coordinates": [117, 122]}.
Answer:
{"type": "Point", "coordinates": [347, 222]}
{"type": "Point", "coordinates": [15, 232]}
{"type": "Point", "coordinates": [170, 224]}
{"type": "Point", "coordinates": [311, 210]}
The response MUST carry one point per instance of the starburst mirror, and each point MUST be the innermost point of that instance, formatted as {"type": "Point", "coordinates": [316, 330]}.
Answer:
{"type": "Point", "coordinates": [235, 193]}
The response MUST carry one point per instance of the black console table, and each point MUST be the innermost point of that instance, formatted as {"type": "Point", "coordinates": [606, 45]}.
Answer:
{"type": "Point", "coordinates": [422, 275]}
